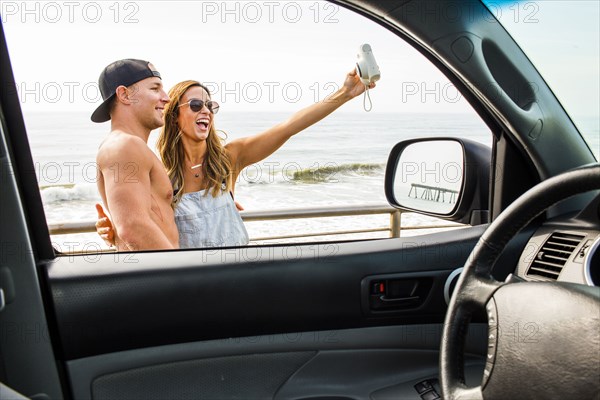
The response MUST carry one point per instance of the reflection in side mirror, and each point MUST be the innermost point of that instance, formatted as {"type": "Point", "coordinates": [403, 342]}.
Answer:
{"type": "Point", "coordinates": [447, 178]}
{"type": "Point", "coordinates": [429, 176]}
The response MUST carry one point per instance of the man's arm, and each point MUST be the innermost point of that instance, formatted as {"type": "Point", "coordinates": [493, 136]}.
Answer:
{"type": "Point", "coordinates": [125, 166]}
{"type": "Point", "coordinates": [252, 149]}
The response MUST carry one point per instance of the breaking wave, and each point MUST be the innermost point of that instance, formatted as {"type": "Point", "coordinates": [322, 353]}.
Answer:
{"type": "Point", "coordinates": [69, 192]}
{"type": "Point", "coordinates": [330, 173]}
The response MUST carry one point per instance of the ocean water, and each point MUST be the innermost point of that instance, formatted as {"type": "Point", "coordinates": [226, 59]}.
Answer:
{"type": "Point", "coordinates": [338, 162]}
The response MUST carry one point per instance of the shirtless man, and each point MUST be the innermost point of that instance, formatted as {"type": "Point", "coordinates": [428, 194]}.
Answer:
{"type": "Point", "coordinates": [132, 181]}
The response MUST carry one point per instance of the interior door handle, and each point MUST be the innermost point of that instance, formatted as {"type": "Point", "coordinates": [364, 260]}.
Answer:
{"type": "Point", "coordinates": [398, 292]}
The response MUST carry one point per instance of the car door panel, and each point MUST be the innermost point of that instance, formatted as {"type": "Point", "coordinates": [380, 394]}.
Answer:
{"type": "Point", "coordinates": [174, 297]}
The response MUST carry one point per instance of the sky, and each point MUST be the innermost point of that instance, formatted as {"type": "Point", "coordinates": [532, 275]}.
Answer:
{"type": "Point", "coordinates": [273, 55]}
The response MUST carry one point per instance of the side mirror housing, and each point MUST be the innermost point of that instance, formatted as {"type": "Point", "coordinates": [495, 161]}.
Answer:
{"type": "Point", "coordinates": [447, 178]}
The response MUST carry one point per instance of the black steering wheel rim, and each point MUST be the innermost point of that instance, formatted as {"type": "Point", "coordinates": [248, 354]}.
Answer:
{"type": "Point", "coordinates": [476, 287]}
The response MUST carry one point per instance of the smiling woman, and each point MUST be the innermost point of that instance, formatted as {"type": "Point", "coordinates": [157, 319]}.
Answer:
{"type": "Point", "coordinates": [200, 170]}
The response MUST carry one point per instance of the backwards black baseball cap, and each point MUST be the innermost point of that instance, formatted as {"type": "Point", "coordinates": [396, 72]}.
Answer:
{"type": "Point", "coordinates": [120, 73]}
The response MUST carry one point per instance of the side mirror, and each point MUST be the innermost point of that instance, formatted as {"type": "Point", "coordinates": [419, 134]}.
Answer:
{"type": "Point", "coordinates": [442, 177]}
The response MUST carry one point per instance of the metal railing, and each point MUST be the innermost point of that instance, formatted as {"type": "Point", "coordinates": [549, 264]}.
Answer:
{"type": "Point", "coordinates": [394, 228]}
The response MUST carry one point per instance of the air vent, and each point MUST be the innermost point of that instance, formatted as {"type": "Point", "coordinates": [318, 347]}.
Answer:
{"type": "Point", "coordinates": [553, 255]}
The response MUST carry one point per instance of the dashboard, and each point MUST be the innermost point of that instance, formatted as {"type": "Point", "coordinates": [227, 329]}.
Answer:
{"type": "Point", "coordinates": [565, 249]}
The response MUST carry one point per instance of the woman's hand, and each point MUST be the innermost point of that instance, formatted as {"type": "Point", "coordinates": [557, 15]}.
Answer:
{"type": "Point", "coordinates": [353, 86]}
{"type": "Point", "coordinates": [104, 227]}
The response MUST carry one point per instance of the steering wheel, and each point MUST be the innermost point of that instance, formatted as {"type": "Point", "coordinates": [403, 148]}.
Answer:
{"type": "Point", "coordinates": [543, 337]}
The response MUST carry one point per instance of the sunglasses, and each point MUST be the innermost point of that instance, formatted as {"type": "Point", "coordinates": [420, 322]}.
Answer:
{"type": "Point", "coordinates": [197, 105]}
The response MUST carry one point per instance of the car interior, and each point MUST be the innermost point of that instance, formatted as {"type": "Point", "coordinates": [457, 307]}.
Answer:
{"type": "Point", "coordinates": [508, 306]}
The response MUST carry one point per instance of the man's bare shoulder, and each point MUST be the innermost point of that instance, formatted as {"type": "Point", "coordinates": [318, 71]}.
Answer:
{"type": "Point", "coordinates": [121, 141]}
{"type": "Point", "coordinates": [123, 146]}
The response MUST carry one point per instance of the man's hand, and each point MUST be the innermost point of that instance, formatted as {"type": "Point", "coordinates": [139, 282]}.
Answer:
{"type": "Point", "coordinates": [239, 206]}
{"type": "Point", "coordinates": [104, 227]}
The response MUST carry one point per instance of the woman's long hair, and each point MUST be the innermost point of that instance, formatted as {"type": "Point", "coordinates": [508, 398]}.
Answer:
{"type": "Point", "coordinates": [216, 167]}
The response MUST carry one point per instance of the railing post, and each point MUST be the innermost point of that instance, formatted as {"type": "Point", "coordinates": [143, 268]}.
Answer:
{"type": "Point", "coordinates": [395, 226]}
